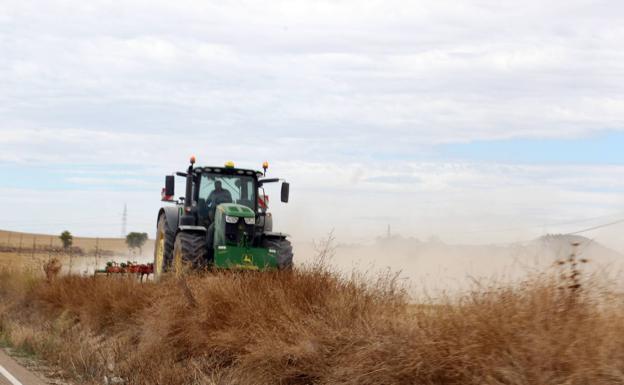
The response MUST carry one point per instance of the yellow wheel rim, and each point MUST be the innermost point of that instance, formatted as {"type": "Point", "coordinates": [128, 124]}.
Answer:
{"type": "Point", "coordinates": [160, 255]}
{"type": "Point", "coordinates": [177, 262]}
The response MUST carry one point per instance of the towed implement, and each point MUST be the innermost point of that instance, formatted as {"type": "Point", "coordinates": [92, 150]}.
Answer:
{"type": "Point", "coordinates": [222, 222]}
{"type": "Point", "coordinates": [139, 269]}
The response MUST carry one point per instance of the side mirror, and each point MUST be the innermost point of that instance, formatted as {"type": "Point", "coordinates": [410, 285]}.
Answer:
{"type": "Point", "coordinates": [285, 192]}
{"type": "Point", "coordinates": [169, 185]}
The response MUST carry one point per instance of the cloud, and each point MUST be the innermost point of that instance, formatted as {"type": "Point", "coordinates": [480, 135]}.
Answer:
{"type": "Point", "coordinates": [98, 181]}
{"type": "Point", "coordinates": [346, 99]}
{"type": "Point", "coordinates": [427, 73]}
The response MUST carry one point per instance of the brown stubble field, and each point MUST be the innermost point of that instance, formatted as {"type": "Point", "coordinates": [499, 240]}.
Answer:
{"type": "Point", "coordinates": [87, 244]}
{"type": "Point", "coordinates": [316, 326]}
{"type": "Point", "coordinates": [31, 251]}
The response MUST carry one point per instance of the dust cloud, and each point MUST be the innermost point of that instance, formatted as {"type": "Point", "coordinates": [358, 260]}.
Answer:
{"type": "Point", "coordinates": [430, 266]}
{"type": "Point", "coordinates": [434, 267]}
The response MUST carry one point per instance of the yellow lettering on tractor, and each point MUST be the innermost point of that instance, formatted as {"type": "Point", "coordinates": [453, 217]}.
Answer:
{"type": "Point", "coordinates": [248, 259]}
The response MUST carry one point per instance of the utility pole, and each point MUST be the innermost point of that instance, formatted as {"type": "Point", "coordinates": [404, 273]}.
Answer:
{"type": "Point", "coordinates": [124, 221]}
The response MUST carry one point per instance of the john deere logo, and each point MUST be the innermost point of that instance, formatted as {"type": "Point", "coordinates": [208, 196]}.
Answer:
{"type": "Point", "coordinates": [248, 259]}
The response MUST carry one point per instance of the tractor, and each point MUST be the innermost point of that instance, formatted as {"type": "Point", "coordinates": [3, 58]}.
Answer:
{"type": "Point", "coordinates": [221, 222]}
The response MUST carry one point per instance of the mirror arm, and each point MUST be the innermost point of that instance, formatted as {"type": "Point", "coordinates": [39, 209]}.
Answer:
{"type": "Point", "coordinates": [268, 180]}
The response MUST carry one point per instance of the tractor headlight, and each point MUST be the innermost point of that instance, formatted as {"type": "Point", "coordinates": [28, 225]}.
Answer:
{"type": "Point", "coordinates": [230, 219]}
{"type": "Point", "coordinates": [250, 221]}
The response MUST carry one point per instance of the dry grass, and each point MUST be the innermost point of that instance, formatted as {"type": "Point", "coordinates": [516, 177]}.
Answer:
{"type": "Point", "coordinates": [36, 264]}
{"type": "Point", "coordinates": [15, 260]}
{"type": "Point", "coordinates": [314, 327]}
{"type": "Point", "coordinates": [32, 251]}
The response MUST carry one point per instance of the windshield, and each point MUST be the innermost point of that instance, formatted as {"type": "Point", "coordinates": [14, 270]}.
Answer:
{"type": "Point", "coordinates": [215, 189]}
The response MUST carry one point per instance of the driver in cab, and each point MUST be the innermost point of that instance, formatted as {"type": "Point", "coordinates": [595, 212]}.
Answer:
{"type": "Point", "coordinates": [219, 195]}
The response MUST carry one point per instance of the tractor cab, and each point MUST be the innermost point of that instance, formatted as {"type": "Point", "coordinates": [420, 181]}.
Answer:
{"type": "Point", "coordinates": [218, 187]}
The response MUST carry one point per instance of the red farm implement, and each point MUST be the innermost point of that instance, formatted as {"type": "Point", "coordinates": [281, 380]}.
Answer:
{"type": "Point", "coordinates": [114, 268]}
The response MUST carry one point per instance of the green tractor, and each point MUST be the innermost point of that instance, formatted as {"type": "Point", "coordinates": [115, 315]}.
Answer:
{"type": "Point", "coordinates": [222, 222]}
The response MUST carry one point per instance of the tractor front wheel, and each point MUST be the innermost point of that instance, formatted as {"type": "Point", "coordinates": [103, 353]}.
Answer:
{"type": "Point", "coordinates": [163, 247]}
{"type": "Point", "coordinates": [189, 252]}
{"type": "Point", "coordinates": [284, 252]}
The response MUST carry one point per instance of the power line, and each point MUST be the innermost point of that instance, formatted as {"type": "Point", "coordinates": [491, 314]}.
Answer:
{"type": "Point", "coordinates": [529, 227]}
{"type": "Point", "coordinates": [573, 232]}
{"type": "Point", "coordinates": [596, 227]}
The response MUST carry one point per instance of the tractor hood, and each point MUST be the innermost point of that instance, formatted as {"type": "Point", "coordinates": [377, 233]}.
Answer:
{"type": "Point", "coordinates": [237, 232]}
{"type": "Point", "coordinates": [235, 210]}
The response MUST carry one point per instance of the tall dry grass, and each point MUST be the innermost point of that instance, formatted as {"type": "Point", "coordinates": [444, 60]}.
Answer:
{"type": "Point", "coordinates": [313, 326]}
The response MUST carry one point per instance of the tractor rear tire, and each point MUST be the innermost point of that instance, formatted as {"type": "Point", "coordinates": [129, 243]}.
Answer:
{"type": "Point", "coordinates": [163, 247]}
{"type": "Point", "coordinates": [189, 252]}
{"type": "Point", "coordinates": [284, 250]}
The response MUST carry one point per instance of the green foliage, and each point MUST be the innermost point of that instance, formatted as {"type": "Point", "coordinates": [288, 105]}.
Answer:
{"type": "Point", "coordinates": [67, 238]}
{"type": "Point", "coordinates": [136, 240]}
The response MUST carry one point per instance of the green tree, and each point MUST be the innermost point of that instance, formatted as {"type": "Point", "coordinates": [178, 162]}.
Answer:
{"type": "Point", "coordinates": [136, 241]}
{"type": "Point", "coordinates": [67, 238]}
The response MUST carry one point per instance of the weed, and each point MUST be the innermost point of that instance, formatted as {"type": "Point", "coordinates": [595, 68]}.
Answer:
{"type": "Point", "coordinates": [314, 326]}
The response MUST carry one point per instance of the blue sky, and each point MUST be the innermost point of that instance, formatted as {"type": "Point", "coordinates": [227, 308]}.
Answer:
{"type": "Point", "coordinates": [604, 148]}
{"type": "Point", "coordinates": [459, 116]}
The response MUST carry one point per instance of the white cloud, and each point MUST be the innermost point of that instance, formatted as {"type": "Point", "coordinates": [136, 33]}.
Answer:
{"type": "Point", "coordinates": [474, 70]}
{"type": "Point", "coordinates": [108, 182]}
{"type": "Point", "coordinates": [343, 97]}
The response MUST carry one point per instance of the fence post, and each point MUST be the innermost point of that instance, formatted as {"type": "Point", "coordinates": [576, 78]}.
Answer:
{"type": "Point", "coordinates": [19, 250]}
{"type": "Point", "coordinates": [50, 250]}
{"type": "Point", "coordinates": [97, 254]}
{"type": "Point", "coordinates": [34, 247]}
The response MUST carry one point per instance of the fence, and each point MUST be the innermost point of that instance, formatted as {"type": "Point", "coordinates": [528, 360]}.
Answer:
{"type": "Point", "coordinates": [92, 253]}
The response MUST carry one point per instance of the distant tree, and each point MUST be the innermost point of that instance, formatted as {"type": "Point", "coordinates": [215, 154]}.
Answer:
{"type": "Point", "coordinates": [67, 238]}
{"type": "Point", "coordinates": [136, 241]}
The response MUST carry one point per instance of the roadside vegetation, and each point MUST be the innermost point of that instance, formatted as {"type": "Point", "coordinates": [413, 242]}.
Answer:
{"type": "Point", "coordinates": [315, 326]}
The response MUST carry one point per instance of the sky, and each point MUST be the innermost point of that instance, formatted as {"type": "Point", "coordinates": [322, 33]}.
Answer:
{"type": "Point", "coordinates": [472, 121]}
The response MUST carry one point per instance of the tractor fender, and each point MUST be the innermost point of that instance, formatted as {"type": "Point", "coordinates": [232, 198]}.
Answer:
{"type": "Point", "coordinates": [190, 229]}
{"type": "Point", "coordinates": [274, 235]}
{"type": "Point", "coordinates": [172, 214]}
{"type": "Point", "coordinates": [267, 222]}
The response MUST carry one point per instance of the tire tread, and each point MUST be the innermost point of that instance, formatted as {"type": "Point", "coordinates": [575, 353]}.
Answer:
{"type": "Point", "coordinates": [194, 248]}
{"type": "Point", "coordinates": [284, 252]}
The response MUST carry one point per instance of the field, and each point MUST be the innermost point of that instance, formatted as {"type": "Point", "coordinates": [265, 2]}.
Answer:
{"type": "Point", "coordinates": [315, 326]}
{"type": "Point", "coordinates": [27, 240]}
{"type": "Point", "coordinates": [32, 250]}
